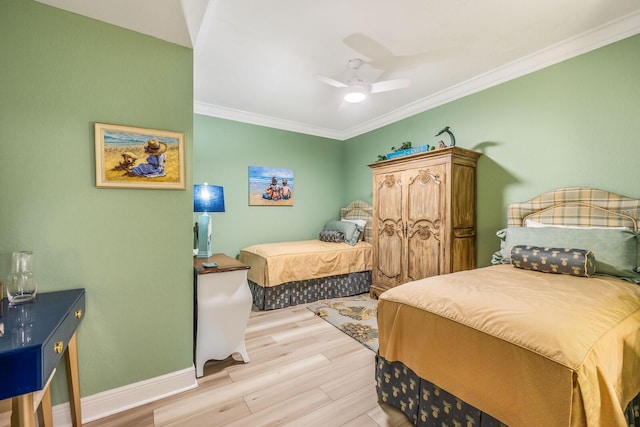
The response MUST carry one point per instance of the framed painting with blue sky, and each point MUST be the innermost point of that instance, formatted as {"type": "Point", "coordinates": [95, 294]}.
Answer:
{"type": "Point", "coordinates": [133, 157]}
{"type": "Point", "coordinates": [270, 186]}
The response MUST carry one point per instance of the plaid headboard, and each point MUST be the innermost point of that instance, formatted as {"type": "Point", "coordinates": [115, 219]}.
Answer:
{"type": "Point", "coordinates": [360, 210]}
{"type": "Point", "coordinates": [577, 206]}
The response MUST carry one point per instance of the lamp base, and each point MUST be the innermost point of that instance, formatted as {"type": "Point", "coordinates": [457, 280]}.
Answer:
{"type": "Point", "coordinates": [204, 236]}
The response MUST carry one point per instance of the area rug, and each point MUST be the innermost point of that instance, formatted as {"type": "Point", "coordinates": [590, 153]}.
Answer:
{"type": "Point", "coordinates": [355, 316]}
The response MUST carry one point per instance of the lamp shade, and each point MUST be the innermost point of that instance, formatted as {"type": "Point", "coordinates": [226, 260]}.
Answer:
{"type": "Point", "coordinates": [208, 198]}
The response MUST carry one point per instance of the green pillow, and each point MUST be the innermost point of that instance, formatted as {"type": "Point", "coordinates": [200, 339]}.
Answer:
{"type": "Point", "coordinates": [615, 250]}
{"type": "Point", "coordinates": [350, 230]}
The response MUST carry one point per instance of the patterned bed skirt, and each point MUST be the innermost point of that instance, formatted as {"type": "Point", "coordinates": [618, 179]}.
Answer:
{"type": "Point", "coordinates": [305, 291]}
{"type": "Point", "coordinates": [425, 404]}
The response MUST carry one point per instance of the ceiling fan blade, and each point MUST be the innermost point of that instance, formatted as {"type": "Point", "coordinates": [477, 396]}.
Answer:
{"type": "Point", "coordinates": [367, 46]}
{"type": "Point", "coordinates": [387, 85]}
{"type": "Point", "coordinates": [381, 58]}
{"type": "Point", "coordinates": [330, 81]}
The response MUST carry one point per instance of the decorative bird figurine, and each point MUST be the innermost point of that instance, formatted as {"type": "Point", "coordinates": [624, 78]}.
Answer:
{"type": "Point", "coordinates": [453, 138]}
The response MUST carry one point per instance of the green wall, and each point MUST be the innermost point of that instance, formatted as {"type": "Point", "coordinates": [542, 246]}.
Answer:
{"type": "Point", "coordinates": [130, 249]}
{"type": "Point", "coordinates": [572, 124]}
{"type": "Point", "coordinates": [223, 152]}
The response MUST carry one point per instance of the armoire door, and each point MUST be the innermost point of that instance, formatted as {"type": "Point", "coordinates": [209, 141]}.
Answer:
{"type": "Point", "coordinates": [425, 221]}
{"type": "Point", "coordinates": [388, 272]}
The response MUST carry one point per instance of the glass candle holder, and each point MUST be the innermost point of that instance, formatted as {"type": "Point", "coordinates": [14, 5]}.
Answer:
{"type": "Point", "coordinates": [21, 284]}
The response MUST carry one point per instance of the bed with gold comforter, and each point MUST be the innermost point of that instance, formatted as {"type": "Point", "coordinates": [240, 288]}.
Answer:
{"type": "Point", "coordinates": [296, 272]}
{"type": "Point", "coordinates": [291, 273]}
{"type": "Point", "coordinates": [511, 344]}
{"type": "Point", "coordinates": [553, 350]}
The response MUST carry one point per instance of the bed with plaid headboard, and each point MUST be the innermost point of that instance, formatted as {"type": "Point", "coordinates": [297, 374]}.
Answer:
{"type": "Point", "coordinates": [549, 335]}
{"type": "Point", "coordinates": [290, 273]}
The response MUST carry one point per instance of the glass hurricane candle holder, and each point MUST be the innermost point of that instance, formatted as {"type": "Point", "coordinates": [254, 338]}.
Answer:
{"type": "Point", "coordinates": [21, 284]}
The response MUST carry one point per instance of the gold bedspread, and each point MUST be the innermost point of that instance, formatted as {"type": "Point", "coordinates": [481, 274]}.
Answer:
{"type": "Point", "coordinates": [275, 263]}
{"type": "Point", "coordinates": [527, 348]}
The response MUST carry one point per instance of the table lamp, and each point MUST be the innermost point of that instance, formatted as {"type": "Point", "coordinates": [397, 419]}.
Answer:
{"type": "Point", "coordinates": [206, 198]}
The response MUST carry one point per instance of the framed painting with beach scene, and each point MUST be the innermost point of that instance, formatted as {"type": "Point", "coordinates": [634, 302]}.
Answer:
{"type": "Point", "coordinates": [133, 157]}
{"type": "Point", "coordinates": [270, 186]}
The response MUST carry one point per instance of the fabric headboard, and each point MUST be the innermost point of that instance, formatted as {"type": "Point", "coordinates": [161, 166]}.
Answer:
{"type": "Point", "coordinates": [577, 206]}
{"type": "Point", "coordinates": [599, 221]}
{"type": "Point", "coordinates": [360, 210]}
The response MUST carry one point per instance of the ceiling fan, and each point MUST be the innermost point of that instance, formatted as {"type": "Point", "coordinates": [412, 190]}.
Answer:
{"type": "Point", "coordinates": [357, 89]}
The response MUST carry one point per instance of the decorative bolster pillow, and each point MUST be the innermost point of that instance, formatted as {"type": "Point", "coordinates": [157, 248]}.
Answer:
{"type": "Point", "coordinates": [334, 236]}
{"type": "Point", "coordinates": [576, 262]}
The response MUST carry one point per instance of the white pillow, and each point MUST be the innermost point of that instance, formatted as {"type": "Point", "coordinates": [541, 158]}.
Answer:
{"type": "Point", "coordinates": [535, 224]}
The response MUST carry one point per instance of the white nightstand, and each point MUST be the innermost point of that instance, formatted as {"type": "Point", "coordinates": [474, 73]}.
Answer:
{"type": "Point", "coordinates": [222, 308]}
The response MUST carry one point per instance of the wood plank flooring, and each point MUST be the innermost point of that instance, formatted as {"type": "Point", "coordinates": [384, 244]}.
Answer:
{"type": "Point", "coordinates": [302, 372]}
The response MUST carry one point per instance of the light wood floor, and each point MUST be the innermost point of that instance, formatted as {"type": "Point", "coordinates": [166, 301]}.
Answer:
{"type": "Point", "coordinates": [302, 372]}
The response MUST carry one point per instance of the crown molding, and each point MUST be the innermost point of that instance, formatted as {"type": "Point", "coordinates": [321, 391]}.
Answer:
{"type": "Point", "coordinates": [262, 120]}
{"type": "Point", "coordinates": [603, 35]}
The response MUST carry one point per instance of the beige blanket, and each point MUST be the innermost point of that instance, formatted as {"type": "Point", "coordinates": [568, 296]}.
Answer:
{"type": "Point", "coordinates": [275, 263]}
{"type": "Point", "coordinates": [528, 348]}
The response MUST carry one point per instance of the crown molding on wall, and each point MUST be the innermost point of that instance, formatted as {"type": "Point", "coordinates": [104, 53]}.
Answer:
{"type": "Point", "coordinates": [262, 120]}
{"type": "Point", "coordinates": [120, 399]}
{"type": "Point", "coordinates": [611, 32]}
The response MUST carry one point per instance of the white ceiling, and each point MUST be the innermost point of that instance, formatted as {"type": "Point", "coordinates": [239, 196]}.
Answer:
{"type": "Point", "coordinates": [255, 61]}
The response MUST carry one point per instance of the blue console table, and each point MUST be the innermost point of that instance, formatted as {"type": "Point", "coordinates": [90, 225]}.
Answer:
{"type": "Point", "coordinates": [33, 339]}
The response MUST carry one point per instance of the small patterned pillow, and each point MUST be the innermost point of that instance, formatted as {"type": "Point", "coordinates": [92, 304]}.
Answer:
{"type": "Point", "coordinates": [576, 262]}
{"type": "Point", "coordinates": [334, 236]}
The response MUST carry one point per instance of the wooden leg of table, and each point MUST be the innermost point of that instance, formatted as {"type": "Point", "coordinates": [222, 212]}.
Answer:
{"type": "Point", "coordinates": [73, 380]}
{"type": "Point", "coordinates": [45, 411]}
{"type": "Point", "coordinates": [22, 413]}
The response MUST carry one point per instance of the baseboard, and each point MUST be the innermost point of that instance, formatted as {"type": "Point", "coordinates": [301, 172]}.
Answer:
{"type": "Point", "coordinates": [120, 399]}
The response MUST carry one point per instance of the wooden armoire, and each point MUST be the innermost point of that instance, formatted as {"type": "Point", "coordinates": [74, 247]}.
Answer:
{"type": "Point", "coordinates": [424, 216]}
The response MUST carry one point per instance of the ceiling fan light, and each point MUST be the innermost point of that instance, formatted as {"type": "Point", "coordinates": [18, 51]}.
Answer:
{"type": "Point", "coordinates": [355, 94]}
